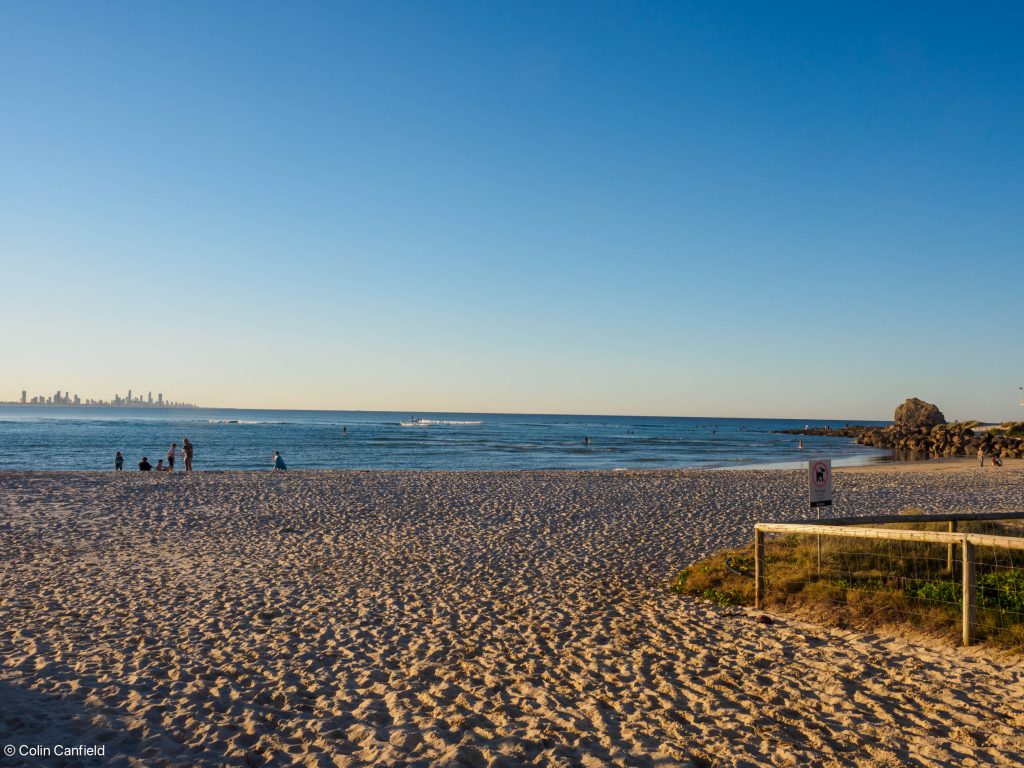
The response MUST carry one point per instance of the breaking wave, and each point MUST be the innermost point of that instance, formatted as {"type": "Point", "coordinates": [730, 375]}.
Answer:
{"type": "Point", "coordinates": [432, 422]}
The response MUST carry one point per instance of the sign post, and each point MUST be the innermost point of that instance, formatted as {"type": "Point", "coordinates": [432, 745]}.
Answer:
{"type": "Point", "coordinates": [819, 483]}
{"type": "Point", "coordinates": [819, 490]}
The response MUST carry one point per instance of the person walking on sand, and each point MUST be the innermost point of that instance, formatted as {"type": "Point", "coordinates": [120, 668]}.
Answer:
{"type": "Point", "coordinates": [981, 456]}
{"type": "Point", "coordinates": [118, 462]}
{"type": "Point", "coordinates": [186, 451]}
{"type": "Point", "coordinates": [170, 456]}
{"type": "Point", "coordinates": [279, 462]}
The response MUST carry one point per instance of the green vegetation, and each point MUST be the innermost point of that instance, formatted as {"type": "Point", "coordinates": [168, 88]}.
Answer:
{"type": "Point", "coordinates": [714, 580]}
{"type": "Point", "coordinates": [867, 583]}
{"type": "Point", "coordinates": [1014, 428]}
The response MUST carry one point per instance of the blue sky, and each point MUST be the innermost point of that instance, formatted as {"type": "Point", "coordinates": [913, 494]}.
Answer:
{"type": "Point", "coordinates": [809, 210]}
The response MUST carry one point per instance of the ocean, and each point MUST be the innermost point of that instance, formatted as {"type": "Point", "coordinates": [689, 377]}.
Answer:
{"type": "Point", "coordinates": [79, 438]}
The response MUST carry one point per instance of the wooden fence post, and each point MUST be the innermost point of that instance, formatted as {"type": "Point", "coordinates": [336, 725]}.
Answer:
{"type": "Point", "coordinates": [970, 606]}
{"type": "Point", "coordinates": [818, 537]}
{"type": "Point", "coordinates": [758, 568]}
{"type": "Point", "coordinates": [949, 550]}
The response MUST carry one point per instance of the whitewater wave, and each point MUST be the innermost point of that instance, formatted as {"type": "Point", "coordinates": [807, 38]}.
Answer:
{"type": "Point", "coordinates": [432, 422]}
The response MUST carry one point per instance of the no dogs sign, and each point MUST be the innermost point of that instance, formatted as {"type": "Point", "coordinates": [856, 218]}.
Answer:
{"type": "Point", "coordinates": [819, 482]}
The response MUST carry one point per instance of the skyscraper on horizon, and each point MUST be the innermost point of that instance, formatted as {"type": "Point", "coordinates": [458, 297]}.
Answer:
{"type": "Point", "coordinates": [65, 397]}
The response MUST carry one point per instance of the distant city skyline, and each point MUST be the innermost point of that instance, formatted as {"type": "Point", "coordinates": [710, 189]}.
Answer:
{"type": "Point", "coordinates": [65, 397]}
{"type": "Point", "coordinates": [723, 209]}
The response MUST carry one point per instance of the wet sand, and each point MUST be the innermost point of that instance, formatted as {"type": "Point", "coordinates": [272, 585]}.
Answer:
{"type": "Point", "coordinates": [952, 464]}
{"type": "Point", "coordinates": [479, 619]}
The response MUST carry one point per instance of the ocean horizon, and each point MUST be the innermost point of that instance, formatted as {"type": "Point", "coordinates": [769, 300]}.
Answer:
{"type": "Point", "coordinates": [86, 438]}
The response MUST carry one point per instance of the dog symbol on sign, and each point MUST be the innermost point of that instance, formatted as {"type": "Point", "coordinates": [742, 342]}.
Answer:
{"type": "Point", "coordinates": [819, 482]}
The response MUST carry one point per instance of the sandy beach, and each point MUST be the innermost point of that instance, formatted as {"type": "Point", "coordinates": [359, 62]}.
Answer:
{"type": "Point", "coordinates": [462, 619]}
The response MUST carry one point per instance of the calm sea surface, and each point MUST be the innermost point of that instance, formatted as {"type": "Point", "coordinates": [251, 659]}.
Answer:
{"type": "Point", "coordinates": [41, 437]}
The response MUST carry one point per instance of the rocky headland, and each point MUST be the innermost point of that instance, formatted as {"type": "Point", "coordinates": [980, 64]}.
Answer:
{"type": "Point", "coordinates": [921, 431]}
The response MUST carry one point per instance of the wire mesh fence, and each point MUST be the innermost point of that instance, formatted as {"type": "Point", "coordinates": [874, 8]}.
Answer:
{"type": "Point", "coordinates": [953, 575]}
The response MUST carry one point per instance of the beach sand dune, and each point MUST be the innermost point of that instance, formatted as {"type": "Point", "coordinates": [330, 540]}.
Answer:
{"type": "Point", "coordinates": [462, 619]}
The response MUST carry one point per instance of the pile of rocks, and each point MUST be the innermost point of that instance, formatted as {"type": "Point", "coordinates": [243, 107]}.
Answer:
{"type": "Point", "coordinates": [1001, 445]}
{"type": "Point", "coordinates": [921, 430]}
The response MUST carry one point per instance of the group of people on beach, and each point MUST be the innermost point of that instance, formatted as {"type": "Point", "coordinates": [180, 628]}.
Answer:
{"type": "Point", "coordinates": [187, 451]}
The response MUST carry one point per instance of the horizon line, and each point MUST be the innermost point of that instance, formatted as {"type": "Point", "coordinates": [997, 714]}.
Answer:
{"type": "Point", "coordinates": [414, 411]}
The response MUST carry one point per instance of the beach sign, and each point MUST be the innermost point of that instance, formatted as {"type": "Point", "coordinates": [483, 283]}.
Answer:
{"type": "Point", "coordinates": [819, 482]}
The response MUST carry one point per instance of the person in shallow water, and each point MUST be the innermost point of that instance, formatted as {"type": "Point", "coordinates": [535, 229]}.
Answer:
{"type": "Point", "coordinates": [186, 451]}
{"type": "Point", "coordinates": [118, 462]}
{"type": "Point", "coordinates": [279, 462]}
{"type": "Point", "coordinates": [144, 465]}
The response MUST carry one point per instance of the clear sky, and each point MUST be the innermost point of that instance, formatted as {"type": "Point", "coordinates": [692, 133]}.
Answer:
{"type": "Point", "coordinates": [727, 209]}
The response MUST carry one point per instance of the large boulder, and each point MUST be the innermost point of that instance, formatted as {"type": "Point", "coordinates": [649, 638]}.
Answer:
{"type": "Point", "coordinates": [915, 413]}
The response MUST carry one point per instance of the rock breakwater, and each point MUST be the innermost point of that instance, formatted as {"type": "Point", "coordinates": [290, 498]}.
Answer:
{"type": "Point", "coordinates": [956, 439]}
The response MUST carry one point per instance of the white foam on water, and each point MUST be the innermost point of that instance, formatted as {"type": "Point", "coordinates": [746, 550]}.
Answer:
{"type": "Point", "coordinates": [431, 422]}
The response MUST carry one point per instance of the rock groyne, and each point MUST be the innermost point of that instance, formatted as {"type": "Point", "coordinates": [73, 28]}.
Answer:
{"type": "Point", "coordinates": [952, 439]}
{"type": "Point", "coordinates": [956, 439]}
{"type": "Point", "coordinates": [921, 431]}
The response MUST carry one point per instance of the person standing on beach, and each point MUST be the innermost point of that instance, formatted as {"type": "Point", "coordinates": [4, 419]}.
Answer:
{"type": "Point", "coordinates": [170, 456]}
{"type": "Point", "coordinates": [981, 456]}
{"type": "Point", "coordinates": [118, 462]}
{"type": "Point", "coordinates": [186, 451]}
{"type": "Point", "coordinates": [279, 462]}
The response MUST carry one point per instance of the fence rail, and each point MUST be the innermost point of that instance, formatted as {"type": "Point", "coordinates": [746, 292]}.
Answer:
{"type": "Point", "coordinates": [938, 517]}
{"type": "Point", "coordinates": [854, 527]}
